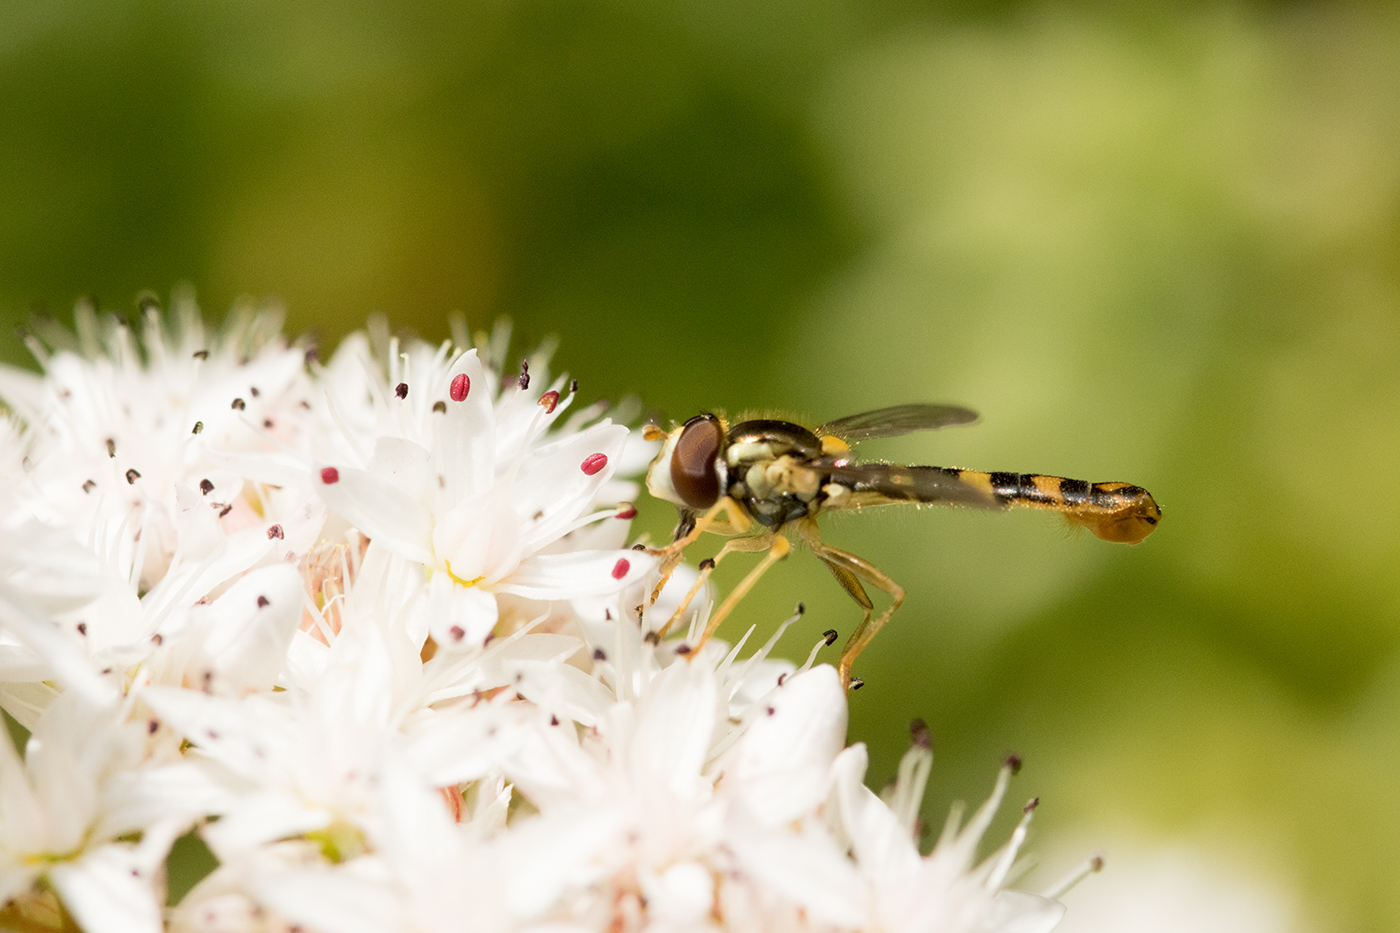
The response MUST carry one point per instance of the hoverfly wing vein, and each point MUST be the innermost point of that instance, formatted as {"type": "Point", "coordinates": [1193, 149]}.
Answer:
{"type": "Point", "coordinates": [897, 420]}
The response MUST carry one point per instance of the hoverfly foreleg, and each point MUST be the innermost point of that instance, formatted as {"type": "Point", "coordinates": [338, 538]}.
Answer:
{"type": "Point", "coordinates": [851, 571]}
{"type": "Point", "coordinates": [736, 523]}
{"type": "Point", "coordinates": [707, 567]}
{"type": "Point", "coordinates": [778, 548]}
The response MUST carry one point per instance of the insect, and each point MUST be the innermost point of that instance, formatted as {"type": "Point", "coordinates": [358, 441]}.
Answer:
{"type": "Point", "coordinates": [757, 480]}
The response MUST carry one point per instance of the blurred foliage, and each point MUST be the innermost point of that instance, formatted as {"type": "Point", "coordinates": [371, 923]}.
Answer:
{"type": "Point", "coordinates": [1159, 247]}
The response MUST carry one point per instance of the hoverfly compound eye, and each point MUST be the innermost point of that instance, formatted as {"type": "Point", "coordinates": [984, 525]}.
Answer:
{"type": "Point", "coordinates": [694, 469]}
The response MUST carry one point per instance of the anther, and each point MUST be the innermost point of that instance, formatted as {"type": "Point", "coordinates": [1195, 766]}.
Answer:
{"type": "Point", "coordinates": [548, 401]}
{"type": "Point", "coordinates": [652, 638]}
{"type": "Point", "coordinates": [152, 727]}
{"type": "Point", "coordinates": [88, 485]}
{"type": "Point", "coordinates": [620, 568]}
{"type": "Point", "coordinates": [275, 532]}
{"type": "Point", "coordinates": [599, 654]}
{"type": "Point", "coordinates": [264, 602]}
{"type": "Point", "coordinates": [524, 380]}
{"type": "Point", "coordinates": [627, 511]}
{"type": "Point", "coordinates": [401, 390]}
{"type": "Point", "coordinates": [573, 386]}
{"type": "Point", "coordinates": [157, 639]}
{"type": "Point", "coordinates": [267, 423]}
{"type": "Point", "coordinates": [1013, 762]}
{"type": "Point", "coordinates": [857, 683]}
{"type": "Point", "coordinates": [707, 564]}
{"type": "Point", "coordinates": [457, 632]}
{"type": "Point", "coordinates": [198, 427]}
{"type": "Point", "coordinates": [238, 404]}
{"type": "Point", "coordinates": [1031, 805]}
{"type": "Point", "coordinates": [254, 390]}
{"type": "Point", "coordinates": [201, 354]}
{"type": "Point", "coordinates": [639, 547]}
{"type": "Point", "coordinates": [920, 735]}
{"type": "Point", "coordinates": [111, 447]}
{"type": "Point", "coordinates": [830, 636]}
{"type": "Point", "coordinates": [683, 649]}
{"type": "Point", "coordinates": [225, 510]}
{"type": "Point", "coordinates": [132, 476]}
{"type": "Point", "coordinates": [457, 391]}
{"type": "Point", "coordinates": [439, 407]}
{"type": "Point", "coordinates": [206, 487]}
{"type": "Point", "coordinates": [330, 476]}
{"type": "Point", "coordinates": [801, 608]}
{"type": "Point", "coordinates": [770, 711]}
{"type": "Point", "coordinates": [82, 628]}
{"type": "Point", "coordinates": [554, 720]}
{"type": "Point", "coordinates": [313, 353]}
{"type": "Point", "coordinates": [782, 677]}
{"type": "Point", "coordinates": [593, 463]}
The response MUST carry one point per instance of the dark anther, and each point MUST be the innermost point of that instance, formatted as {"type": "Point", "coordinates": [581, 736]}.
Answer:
{"type": "Point", "coordinates": [254, 390]}
{"type": "Point", "coordinates": [920, 734]}
{"type": "Point", "coordinates": [152, 726]}
{"type": "Point", "coordinates": [198, 427]}
{"type": "Point", "coordinates": [238, 404]}
{"type": "Point", "coordinates": [599, 654]}
{"type": "Point", "coordinates": [1031, 805]}
{"type": "Point", "coordinates": [830, 636]}
{"type": "Point", "coordinates": [111, 447]}
{"type": "Point", "coordinates": [573, 386]}
{"type": "Point", "coordinates": [457, 632]}
{"type": "Point", "coordinates": [782, 677]}
{"type": "Point", "coordinates": [857, 683]}
{"type": "Point", "coordinates": [683, 649]}
{"type": "Point", "coordinates": [267, 423]}
{"type": "Point", "coordinates": [439, 407]}
{"type": "Point", "coordinates": [157, 639]}
{"type": "Point", "coordinates": [770, 711]}
{"type": "Point", "coordinates": [524, 380]}
{"type": "Point", "coordinates": [639, 547]}
{"type": "Point", "coordinates": [275, 532]}
{"type": "Point", "coordinates": [652, 638]}
{"type": "Point", "coordinates": [554, 720]}
{"type": "Point", "coordinates": [1013, 761]}
{"type": "Point", "coordinates": [707, 564]}
{"type": "Point", "coordinates": [132, 476]}
{"type": "Point", "coordinates": [225, 510]}
{"type": "Point", "coordinates": [401, 390]}
{"type": "Point", "coordinates": [88, 485]}
{"type": "Point", "coordinates": [1096, 863]}
{"type": "Point", "coordinates": [264, 602]}
{"type": "Point", "coordinates": [206, 487]}
{"type": "Point", "coordinates": [313, 353]}
{"type": "Point", "coordinates": [801, 608]}
{"type": "Point", "coordinates": [201, 354]}
{"type": "Point", "coordinates": [82, 628]}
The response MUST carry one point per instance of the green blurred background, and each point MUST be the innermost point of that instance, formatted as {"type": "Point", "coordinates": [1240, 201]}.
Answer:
{"type": "Point", "coordinates": [1152, 247]}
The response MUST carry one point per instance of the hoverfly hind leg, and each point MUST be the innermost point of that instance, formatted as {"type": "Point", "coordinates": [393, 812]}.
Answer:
{"type": "Point", "coordinates": [851, 571]}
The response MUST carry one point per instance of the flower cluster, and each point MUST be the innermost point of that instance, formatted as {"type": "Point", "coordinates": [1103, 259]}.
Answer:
{"type": "Point", "coordinates": [372, 628]}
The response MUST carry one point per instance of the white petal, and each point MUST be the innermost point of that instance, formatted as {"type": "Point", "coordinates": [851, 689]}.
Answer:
{"type": "Point", "coordinates": [382, 512]}
{"type": "Point", "coordinates": [106, 892]}
{"type": "Point", "coordinates": [251, 625]}
{"type": "Point", "coordinates": [585, 573]}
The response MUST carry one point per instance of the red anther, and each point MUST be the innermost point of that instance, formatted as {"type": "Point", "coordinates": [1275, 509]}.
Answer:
{"type": "Point", "coordinates": [264, 602]}
{"type": "Point", "coordinates": [549, 400]}
{"type": "Point", "coordinates": [628, 512]}
{"type": "Point", "coordinates": [461, 385]}
{"type": "Point", "coordinates": [593, 463]}
{"type": "Point", "coordinates": [275, 532]}
{"type": "Point", "coordinates": [330, 476]}
{"type": "Point", "coordinates": [620, 568]}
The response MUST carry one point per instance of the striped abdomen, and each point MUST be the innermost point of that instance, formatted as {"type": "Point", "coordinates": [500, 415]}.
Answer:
{"type": "Point", "coordinates": [1118, 512]}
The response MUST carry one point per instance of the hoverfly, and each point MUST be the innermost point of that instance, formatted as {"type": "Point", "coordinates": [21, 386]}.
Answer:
{"type": "Point", "coordinates": [766, 477]}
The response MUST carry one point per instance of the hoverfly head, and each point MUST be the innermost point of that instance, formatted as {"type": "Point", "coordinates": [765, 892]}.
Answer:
{"type": "Point", "coordinates": [689, 470]}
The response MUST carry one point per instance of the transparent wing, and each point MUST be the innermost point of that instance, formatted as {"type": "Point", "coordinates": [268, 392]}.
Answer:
{"type": "Point", "coordinates": [897, 420]}
{"type": "Point", "coordinates": [881, 483]}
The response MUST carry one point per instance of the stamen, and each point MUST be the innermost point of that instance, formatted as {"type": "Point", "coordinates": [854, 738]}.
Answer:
{"type": "Point", "coordinates": [330, 476]}
{"type": "Point", "coordinates": [593, 463]}
{"type": "Point", "coordinates": [626, 511]}
{"type": "Point", "coordinates": [548, 401]}
{"type": "Point", "coordinates": [1088, 867]}
{"type": "Point", "coordinates": [132, 476]}
{"type": "Point", "coordinates": [201, 354]}
{"type": "Point", "coordinates": [461, 385]}
{"type": "Point", "coordinates": [401, 390]}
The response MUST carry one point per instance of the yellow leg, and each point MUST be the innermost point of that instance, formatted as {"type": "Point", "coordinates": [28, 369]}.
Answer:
{"type": "Point", "coordinates": [850, 570]}
{"type": "Point", "coordinates": [778, 548]}
{"type": "Point", "coordinates": [737, 523]}
{"type": "Point", "coordinates": [755, 543]}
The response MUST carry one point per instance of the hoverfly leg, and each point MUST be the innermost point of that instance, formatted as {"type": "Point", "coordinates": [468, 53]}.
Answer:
{"type": "Point", "coordinates": [778, 548]}
{"type": "Point", "coordinates": [851, 571]}
{"type": "Point", "coordinates": [671, 554]}
{"type": "Point", "coordinates": [707, 567]}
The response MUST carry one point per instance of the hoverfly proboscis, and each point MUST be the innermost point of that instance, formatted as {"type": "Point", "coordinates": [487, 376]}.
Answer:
{"type": "Point", "coordinates": [756, 480]}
